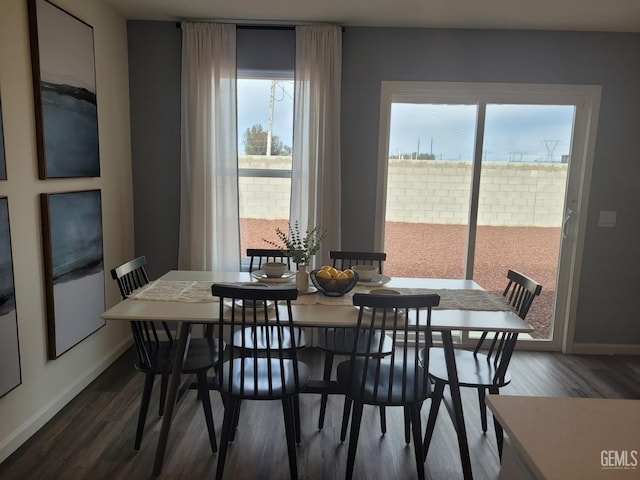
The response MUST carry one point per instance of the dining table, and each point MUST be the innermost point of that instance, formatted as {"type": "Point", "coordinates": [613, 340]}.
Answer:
{"type": "Point", "coordinates": [185, 297]}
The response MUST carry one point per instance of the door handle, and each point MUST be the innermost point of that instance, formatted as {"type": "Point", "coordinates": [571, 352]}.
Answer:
{"type": "Point", "coordinates": [567, 217]}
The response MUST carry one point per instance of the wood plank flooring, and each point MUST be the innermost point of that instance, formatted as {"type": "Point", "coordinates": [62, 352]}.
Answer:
{"type": "Point", "coordinates": [92, 437]}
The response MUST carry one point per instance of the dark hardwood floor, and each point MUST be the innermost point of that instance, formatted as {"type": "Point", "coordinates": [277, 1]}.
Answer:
{"type": "Point", "coordinates": [92, 437]}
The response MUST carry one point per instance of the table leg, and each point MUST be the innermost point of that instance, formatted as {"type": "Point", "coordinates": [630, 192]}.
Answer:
{"type": "Point", "coordinates": [456, 403]}
{"type": "Point", "coordinates": [181, 350]}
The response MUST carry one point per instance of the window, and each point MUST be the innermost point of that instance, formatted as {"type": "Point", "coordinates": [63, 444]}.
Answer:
{"type": "Point", "coordinates": [265, 132]}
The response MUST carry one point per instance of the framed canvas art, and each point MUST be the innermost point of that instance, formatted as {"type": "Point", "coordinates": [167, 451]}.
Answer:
{"type": "Point", "coordinates": [3, 162]}
{"type": "Point", "coordinates": [74, 267]}
{"type": "Point", "coordinates": [64, 86]}
{"type": "Point", "coordinates": [10, 376]}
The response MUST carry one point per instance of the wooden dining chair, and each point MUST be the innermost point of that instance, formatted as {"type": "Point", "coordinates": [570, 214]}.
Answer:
{"type": "Point", "coordinates": [399, 379]}
{"type": "Point", "coordinates": [347, 259]}
{"type": "Point", "coordinates": [258, 256]}
{"type": "Point", "coordinates": [155, 348]}
{"type": "Point", "coordinates": [260, 337]}
{"type": "Point", "coordinates": [272, 373]}
{"type": "Point", "coordinates": [338, 341]}
{"type": "Point", "coordinates": [486, 372]}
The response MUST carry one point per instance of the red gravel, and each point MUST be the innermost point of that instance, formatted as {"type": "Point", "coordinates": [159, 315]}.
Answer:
{"type": "Point", "coordinates": [438, 251]}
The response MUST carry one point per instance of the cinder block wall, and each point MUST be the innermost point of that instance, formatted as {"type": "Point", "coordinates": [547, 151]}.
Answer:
{"type": "Point", "coordinates": [423, 191]}
{"type": "Point", "coordinates": [263, 197]}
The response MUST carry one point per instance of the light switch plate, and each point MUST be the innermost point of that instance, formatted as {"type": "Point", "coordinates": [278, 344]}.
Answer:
{"type": "Point", "coordinates": [607, 219]}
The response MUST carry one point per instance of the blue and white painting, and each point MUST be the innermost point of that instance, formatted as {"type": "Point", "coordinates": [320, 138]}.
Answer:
{"type": "Point", "coordinates": [3, 162]}
{"type": "Point", "coordinates": [68, 117]}
{"type": "Point", "coordinates": [10, 376]}
{"type": "Point", "coordinates": [74, 276]}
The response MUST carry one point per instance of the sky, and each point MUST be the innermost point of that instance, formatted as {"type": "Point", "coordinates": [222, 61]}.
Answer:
{"type": "Point", "coordinates": [534, 133]}
{"type": "Point", "coordinates": [253, 108]}
{"type": "Point", "coordinates": [512, 132]}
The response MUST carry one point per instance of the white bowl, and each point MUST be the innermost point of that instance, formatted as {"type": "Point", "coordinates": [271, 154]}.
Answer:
{"type": "Point", "coordinates": [365, 272]}
{"type": "Point", "coordinates": [274, 269]}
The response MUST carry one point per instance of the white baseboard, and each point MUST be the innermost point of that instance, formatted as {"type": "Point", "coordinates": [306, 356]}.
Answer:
{"type": "Point", "coordinates": [605, 349]}
{"type": "Point", "coordinates": [13, 441]}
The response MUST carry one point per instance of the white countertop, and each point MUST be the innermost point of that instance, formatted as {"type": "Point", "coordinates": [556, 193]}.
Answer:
{"type": "Point", "coordinates": [572, 438]}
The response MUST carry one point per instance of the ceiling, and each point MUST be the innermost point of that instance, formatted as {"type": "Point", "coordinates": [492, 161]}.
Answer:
{"type": "Point", "coordinates": [587, 15]}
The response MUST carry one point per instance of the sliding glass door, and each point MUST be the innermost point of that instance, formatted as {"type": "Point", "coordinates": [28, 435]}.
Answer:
{"type": "Point", "coordinates": [482, 178]}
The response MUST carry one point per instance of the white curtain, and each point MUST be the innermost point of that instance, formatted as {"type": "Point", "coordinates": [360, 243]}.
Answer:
{"type": "Point", "coordinates": [315, 176]}
{"type": "Point", "coordinates": [209, 228]}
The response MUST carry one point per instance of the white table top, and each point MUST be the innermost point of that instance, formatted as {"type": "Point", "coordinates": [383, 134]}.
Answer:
{"type": "Point", "coordinates": [315, 315]}
{"type": "Point", "coordinates": [565, 438]}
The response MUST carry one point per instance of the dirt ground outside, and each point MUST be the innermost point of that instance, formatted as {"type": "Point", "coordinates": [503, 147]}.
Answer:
{"type": "Point", "coordinates": [438, 251]}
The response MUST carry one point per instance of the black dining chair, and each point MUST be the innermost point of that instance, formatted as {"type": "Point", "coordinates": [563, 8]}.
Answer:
{"type": "Point", "coordinates": [155, 348]}
{"type": "Point", "coordinates": [338, 341]}
{"type": "Point", "coordinates": [258, 256]}
{"type": "Point", "coordinates": [486, 372]}
{"type": "Point", "coordinates": [347, 259]}
{"type": "Point", "coordinates": [260, 337]}
{"type": "Point", "coordinates": [399, 379]}
{"type": "Point", "coordinates": [272, 373]}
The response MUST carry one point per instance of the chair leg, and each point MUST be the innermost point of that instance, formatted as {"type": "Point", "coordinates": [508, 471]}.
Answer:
{"type": "Point", "coordinates": [236, 419]}
{"type": "Point", "coordinates": [413, 412]}
{"type": "Point", "coordinates": [383, 420]}
{"type": "Point", "coordinates": [356, 418]}
{"type": "Point", "coordinates": [144, 408]}
{"type": "Point", "coordinates": [436, 399]}
{"type": "Point", "coordinates": [483, 409]}
{"type": "Point", "coordinates": [407, 425]}
{"type": "Point", "coordinates": [328, 366]}
{"type": "Point", "coordinates": [288, 409]}
{"type": "Point", "coordinates": [498, 427]}
{"type": "Point", "coordinates": [203, 391]}
{"type": "Point", "coordinates": [296, 417]}
{"type": "Point", "coordinates": [164, 383]}
{"type": "Point", "coordinates": [345, 418]}
{"type": "Point", "coordinates": [231, 405]}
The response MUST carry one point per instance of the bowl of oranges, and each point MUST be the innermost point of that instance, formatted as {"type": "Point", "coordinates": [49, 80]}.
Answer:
{"type": "Point", "coordinates": [333, 282]}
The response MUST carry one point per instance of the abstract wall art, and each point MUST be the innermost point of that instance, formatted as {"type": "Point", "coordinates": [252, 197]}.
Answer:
{"type": "Point", "coordinates": [74, 267]}
{"type": "Point", "coordinates": [10, 376]}
{"type": "Point", "coordinates": [64, 86]}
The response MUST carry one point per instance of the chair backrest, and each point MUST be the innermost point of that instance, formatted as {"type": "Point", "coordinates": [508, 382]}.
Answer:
{"type": "Point", "coordinates": [407, 320]}
{"type": "Point", "coordinates": [520, 293]}
{"type": "Point", "coordinates": [343, 259]}
{"type": "Point", "coordinates": [130, 276]}
{"type": "Point", "coordinates": [258, 256]}
{"type": "Point", "coordinates": [245, 307]}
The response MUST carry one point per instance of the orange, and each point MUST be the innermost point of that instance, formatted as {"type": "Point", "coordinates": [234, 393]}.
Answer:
{"type": "Point", "coordinates": [323, 274]}
{"type": "Point", "coordinates": [332, 271]}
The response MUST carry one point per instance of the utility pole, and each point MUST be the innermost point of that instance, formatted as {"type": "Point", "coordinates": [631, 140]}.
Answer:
{"type": "Point", "coordinates": [270, 123]}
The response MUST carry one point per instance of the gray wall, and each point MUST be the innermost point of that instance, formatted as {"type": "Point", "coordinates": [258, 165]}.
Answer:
{"type": "Point", "coordinates": [154, 86]}
{"type": "Point", "coordinates": [371, 55]}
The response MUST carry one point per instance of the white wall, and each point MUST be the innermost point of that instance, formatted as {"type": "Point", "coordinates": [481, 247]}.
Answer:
{"type": "Point", "coordinates": [47, 385]}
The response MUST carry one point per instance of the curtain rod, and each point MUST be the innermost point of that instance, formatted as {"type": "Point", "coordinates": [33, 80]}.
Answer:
{"type": "Point", "coordinates": [258, 24]}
